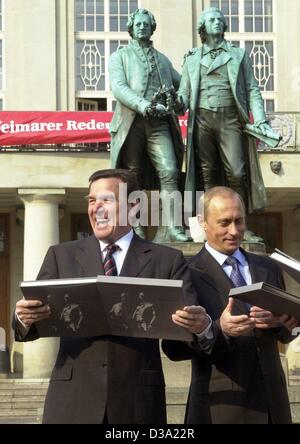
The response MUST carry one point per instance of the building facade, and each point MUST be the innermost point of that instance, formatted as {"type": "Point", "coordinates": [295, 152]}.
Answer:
{"type": "Point", "coordinates": [54, 57]}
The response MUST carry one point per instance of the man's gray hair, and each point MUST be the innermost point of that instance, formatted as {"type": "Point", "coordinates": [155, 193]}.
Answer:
{"type": "Point", "coordinates": [140, 11]}
{"type": "Point", "coordinates": [201, 23]}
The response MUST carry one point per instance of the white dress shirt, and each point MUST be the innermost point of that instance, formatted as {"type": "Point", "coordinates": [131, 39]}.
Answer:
{"type": "Point", "coordinates": [119, 255]}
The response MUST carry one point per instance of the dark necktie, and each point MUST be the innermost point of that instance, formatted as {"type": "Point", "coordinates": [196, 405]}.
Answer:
{"type": "Point", "coordinates": [215, 52]}
{"type": "Point", "coordinates": [109, 263]}
{"type": "Point", "coordinates": [235, 275]}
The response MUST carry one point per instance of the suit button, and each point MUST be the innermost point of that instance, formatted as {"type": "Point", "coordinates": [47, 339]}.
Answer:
{"type": "Point", "coordinates": [104, 365]}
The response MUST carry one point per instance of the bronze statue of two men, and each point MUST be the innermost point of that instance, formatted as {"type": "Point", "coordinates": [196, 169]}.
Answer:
{"type": "Point", "coordinates": [220, 91]}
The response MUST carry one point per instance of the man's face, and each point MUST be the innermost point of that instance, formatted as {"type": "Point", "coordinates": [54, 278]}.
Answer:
{"type": "Point", "coordinates": [104, 209]}
{"type": "Point", "coordinates": [225, 224]}
{"type": "Point", "coordinates": [214, 24]}
{"type": "Point", "coordinates": [142, 27]}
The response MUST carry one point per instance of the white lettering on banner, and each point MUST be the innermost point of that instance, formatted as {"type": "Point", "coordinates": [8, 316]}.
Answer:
{"type": "Point", "coordinates": [183, 122]}
{"type": "Point", "coordinates": [34, 127]}
{"type": "Point", "coordinates": [92, 125]}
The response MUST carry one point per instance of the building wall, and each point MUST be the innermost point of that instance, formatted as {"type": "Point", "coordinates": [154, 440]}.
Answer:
{"type": "Point", "coordinates": [30, 56]}
{"type": "Point", "coordinates": [40, 70]}
{"type": "Point", "coordinates": [175, 25]}
{"type": "Point", "coordinates": [288, 55]}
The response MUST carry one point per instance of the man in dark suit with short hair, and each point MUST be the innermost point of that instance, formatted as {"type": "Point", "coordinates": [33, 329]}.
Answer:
{"type": "Point", "coordinates": [115, 380]}
{"type": "Point", "coordinates": [241, 381]}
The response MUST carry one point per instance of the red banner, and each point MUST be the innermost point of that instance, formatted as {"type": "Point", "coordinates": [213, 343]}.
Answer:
{"type": "Point", "coordinates": [47, 128]}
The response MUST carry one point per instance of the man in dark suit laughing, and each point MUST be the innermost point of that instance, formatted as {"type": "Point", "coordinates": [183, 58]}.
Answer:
{"type": "Point", "coordinates": [108, 379]}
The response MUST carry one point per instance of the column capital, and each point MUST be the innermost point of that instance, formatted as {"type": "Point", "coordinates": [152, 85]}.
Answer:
{"type": "Point", "coordinates": [53, 195]}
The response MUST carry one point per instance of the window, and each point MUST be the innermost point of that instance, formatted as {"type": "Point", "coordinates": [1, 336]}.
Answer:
{"type": "Point", "coordinates": [270, 106]}
{"type": "Point", "coordinates": [119, 10]}
{"type": "Point", "coordinates": [258, 15]}
{"type": "Point", "coordinates": [262, 55]}
{"type": "Point", "coordinates": [115, 44]}
{"type": "Point", "coordinates": [254, 18]}
{"type": "Point", "coordinates": [91, 105]}
{"type": "Point", "coordinates": [230, 9]}
{"type": "Point", "coordinates": [101, 28]}
{"type": "Point", "coordinates": [89, 15]}
{"type": "Point", "coordinates": [90, 65]}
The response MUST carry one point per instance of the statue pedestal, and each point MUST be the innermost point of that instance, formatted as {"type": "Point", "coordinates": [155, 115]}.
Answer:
{"type": "Point", "coordinates": [190, 249]}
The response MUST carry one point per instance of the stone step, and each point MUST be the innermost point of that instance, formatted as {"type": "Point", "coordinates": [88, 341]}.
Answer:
{"type": "Point", "coordinates": [24, 388]}
{"type": "Point", "coordinates": [23, 392]}
{"type": "Point", "coordinates": [176, 395]}
{"type": "Point", "coordinates": [295, 408]}
{"type": "Point", "coordinates": [22, 400]}
{"type": "Point", "coordinates": [20, 412]}
{"type": "Point", "coordinates": [20, 420]}
{"type": "Point", "coordinates": [25, 399]}
{"type": "Point", "coordinates": [22, 382]}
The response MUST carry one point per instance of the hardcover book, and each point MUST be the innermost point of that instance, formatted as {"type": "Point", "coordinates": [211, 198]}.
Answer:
{"type": "Point", "coordinates": [268, 297]}
{"type": "Point", "coordinates": [287, 263]}
{"type": "Point", "coordinates": [109, 305]}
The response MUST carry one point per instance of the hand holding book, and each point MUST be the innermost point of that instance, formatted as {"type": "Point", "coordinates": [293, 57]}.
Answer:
{"type": "Point", "coordinates": [266, 319]}
{"type": "Point", "coordinates": [269, 298]}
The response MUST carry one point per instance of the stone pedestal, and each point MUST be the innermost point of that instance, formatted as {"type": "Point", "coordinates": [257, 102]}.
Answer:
{"type": "Point", "coordinates": [190, 249]}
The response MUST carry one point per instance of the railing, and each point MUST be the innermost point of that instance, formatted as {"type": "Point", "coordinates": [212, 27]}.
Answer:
{"type": "Point", "coordinates": [70, 148]}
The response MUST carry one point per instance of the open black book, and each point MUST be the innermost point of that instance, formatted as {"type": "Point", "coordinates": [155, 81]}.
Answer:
{"type": "Point", "coordinates": [268, 297]}
{"type": "Point", "coordinates": [109, 305]}
{"type": "Point", "coordinates": [287, 263]}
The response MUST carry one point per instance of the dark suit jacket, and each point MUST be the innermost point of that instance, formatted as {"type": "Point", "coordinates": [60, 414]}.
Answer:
{"type": "Point", "coordinates": [242, 381]}
{"type": "Point", "coordinates": [120, 375]}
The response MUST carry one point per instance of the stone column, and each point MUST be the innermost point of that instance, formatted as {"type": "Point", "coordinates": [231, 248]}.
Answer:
{"type": "Point", "coordinates": [41, 229]}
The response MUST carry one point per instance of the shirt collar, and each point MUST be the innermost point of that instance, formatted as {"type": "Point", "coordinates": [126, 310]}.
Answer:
{"type": "Point", "coordinates": [137, 45]}
{"type": "Point", "coordinates": [221, 257]}
{"type": "Point", "coordinates": [123, 242]}
{"type": "Point", "coordinates": [207, 49]}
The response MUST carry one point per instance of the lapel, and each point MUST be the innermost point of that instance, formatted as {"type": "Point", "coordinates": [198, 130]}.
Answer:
{"type": "Point", "coordinates": [194, 64]}
{"type": "Point", "coordinates": [221, 60]}
{"type": "Point", "coordinates": [213, 275]}
{"type": "Point", "coordinates": [206, 61]}
{"type": "Point", "coordinates": [138, 256]}
{"type": "Point", "coordinates": [88, 256]}
{"type": "Point", "coordinates": [234, 66]}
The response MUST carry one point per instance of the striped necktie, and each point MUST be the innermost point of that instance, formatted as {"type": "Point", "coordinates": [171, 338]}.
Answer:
{"type": "Point", "coordinates": [236, 276]}
{"type": "Point", "coordinates": [109, 263]}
